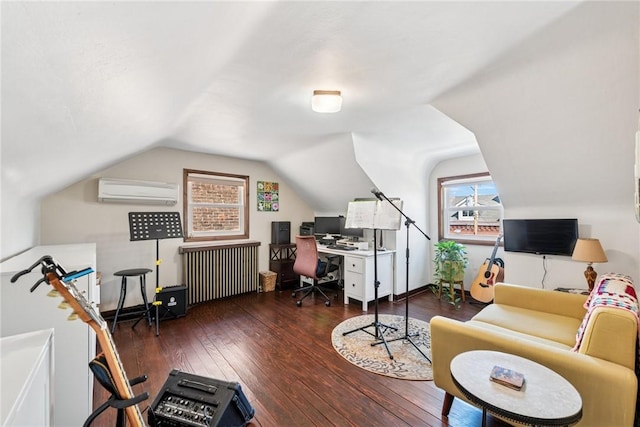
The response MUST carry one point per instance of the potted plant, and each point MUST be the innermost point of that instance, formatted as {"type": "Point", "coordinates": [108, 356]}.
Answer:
{"type": "Point", "coordinates": [450, 260]}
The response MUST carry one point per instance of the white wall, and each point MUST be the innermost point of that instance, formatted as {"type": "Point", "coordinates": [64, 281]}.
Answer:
{"type": "Point", "coordinates": [20, 219]}
{"type": "Point", "coordinates": [74, 215]}
{"type": "Point", "coordinates": [400, 178]}
{"type": "Point", "coordinates": [399, 163]}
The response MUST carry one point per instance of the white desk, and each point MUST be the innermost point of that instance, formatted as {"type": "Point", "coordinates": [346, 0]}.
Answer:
{"type": "Point", "coordinates": [359, 274]}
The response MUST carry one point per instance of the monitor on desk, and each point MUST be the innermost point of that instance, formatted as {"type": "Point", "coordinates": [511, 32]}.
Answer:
{"type": "Point", "coordinates": [352, 233]}
{"type": "Point", "coordinates": [328, 225]}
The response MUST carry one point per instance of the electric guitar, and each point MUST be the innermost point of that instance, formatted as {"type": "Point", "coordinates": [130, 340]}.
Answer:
{"type": "Point", "coordinates": [490, 273]}
{"type": "Point", "coordinates": [63, 283]}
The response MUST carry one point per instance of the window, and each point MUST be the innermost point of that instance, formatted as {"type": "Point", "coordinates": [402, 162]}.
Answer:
{"type": "Point", "coordinates": [469, 209]}
{"type": "Point", "coordinates": [215, 205]}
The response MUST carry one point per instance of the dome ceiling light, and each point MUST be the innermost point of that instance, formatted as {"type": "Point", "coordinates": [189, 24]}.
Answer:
{"type": "Point", "coordinates": [326, 101]}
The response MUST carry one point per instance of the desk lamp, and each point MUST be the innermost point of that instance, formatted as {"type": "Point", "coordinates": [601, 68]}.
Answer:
{"type": "Point", "coordinates": [590, 251]}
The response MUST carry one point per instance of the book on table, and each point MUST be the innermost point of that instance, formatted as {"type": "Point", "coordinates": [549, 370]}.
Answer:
{"type": "Point", "coordinates": [507, 377]}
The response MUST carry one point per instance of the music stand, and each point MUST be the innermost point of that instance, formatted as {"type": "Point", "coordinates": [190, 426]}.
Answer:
{"type": "Point", "coordinates": [372, 214]}
{"type": "Point", "coordinates": [154, 226]}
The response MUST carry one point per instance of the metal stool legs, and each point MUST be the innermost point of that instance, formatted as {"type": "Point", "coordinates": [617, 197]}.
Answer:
{"type": "Point", "coordinates": [141, 274]}
{"type": "Point", "coordinates": [143, 291]}
{"type": "Point", "coordinates": [123, 294]}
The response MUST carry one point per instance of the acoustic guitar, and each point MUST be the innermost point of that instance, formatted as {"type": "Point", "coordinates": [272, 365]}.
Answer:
{"type": "Point", "coordinates": [64, 284]}
{"type": "Point", "coordinates": [490, 272]}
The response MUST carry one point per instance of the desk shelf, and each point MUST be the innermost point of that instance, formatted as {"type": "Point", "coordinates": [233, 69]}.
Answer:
{"type": "Point", "coordinates": [281, 260]}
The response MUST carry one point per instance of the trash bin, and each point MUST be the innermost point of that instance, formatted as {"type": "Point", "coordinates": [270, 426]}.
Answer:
{"type": "Point", "coordinates": [268, 281]}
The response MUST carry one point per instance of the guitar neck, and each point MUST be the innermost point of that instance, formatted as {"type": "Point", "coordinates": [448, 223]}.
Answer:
{"type": "Point", "coordinates": [119, 375]}
{"type": "Point", "coordinates": [492, 260]}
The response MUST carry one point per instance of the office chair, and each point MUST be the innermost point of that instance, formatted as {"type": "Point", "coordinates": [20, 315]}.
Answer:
{"type": "Point", "coordinates": [308, 264]}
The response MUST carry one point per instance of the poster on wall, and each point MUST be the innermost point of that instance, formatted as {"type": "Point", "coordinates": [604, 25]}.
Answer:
{"type": "Point", "coordinates": [268, 198]}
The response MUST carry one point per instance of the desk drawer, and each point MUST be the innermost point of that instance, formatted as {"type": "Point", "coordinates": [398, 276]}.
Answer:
{"type": "Point", "coordinates": [354, 285]}
{"type": "Point", "coordinates": [354, 264]}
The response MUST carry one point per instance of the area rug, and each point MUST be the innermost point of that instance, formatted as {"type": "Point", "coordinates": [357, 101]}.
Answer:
{"type": "Point", "coordinates": [407, 362]}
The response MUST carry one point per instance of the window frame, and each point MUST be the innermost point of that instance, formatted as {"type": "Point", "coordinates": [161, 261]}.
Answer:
{"type": "Point", "coordinates": [475, 240]}
{"type": "Point", "coordinates": [243, 182]}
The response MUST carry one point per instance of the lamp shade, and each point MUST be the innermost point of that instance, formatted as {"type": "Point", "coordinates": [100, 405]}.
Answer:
{"type": "Point", "coordinates": [326, 101]}
{"type": "Point", "coordinates": [589, 250]}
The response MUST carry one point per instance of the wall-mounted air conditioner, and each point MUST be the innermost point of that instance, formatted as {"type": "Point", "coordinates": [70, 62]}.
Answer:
{"type": "Point", "coordinates": [141, 192]}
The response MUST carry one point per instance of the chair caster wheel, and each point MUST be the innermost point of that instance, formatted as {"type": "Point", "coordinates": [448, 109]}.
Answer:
{"type": "Point", "coordinates": [327, 303]}
{"type": "Point", "coordinates": [293, 294]}
{"type": "Point", "coordinates": [299, 303]}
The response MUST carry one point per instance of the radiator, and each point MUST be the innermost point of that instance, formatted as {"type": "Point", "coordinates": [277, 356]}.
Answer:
{"type": "Point", "coordinates": [219, 271]}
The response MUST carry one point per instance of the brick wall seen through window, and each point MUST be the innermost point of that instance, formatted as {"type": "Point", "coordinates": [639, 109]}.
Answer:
{"type": "Point", "coordinates": [215, 205]}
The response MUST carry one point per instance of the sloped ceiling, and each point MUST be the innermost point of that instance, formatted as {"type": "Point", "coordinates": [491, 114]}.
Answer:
{"type": "Point", "coordinates": [87, 84]}
{"type": "Point", "coordinates": [563, 111]}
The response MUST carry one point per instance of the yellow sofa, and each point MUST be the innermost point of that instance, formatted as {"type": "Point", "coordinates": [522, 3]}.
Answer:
{"type": "Point", "coordinates": [541, 325]}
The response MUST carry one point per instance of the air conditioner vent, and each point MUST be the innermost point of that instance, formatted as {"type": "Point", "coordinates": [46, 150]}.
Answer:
{"type": "Point", "coordinates": [140, 192]}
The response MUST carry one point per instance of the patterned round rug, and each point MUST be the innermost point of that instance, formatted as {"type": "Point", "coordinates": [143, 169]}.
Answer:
{"type": "Point", "coordinates": [407, 362]}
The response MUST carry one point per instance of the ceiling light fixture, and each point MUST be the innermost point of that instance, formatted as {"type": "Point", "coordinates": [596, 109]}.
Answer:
{"type": "Point", "coordinates": [326, 101]}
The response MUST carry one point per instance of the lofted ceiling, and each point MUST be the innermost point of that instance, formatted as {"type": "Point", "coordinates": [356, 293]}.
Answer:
{"type": "Point", "coordinates": [87, 84]}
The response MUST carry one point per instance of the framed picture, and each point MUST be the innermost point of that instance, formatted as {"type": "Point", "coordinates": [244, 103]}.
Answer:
{"type": "Point", "coordinates": [268, 196]}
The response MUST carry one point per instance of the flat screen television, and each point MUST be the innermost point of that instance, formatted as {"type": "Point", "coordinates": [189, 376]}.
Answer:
{"type": "Point", "coordinates": [540, 236]}
{"type": "Point", "coordinates": [328, 225]}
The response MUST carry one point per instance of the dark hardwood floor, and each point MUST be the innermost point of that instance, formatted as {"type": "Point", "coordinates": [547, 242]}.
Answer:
{"type": "Point", "coordinates": [283, 358]}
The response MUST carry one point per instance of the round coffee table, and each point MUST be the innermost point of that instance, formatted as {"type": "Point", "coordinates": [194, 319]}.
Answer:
{"type": "Point", "coordinates": [546, 399]}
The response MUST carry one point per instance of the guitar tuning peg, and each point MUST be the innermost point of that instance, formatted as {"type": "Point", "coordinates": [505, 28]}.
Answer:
{"type": "Point", "coordinates": [53, 293]}
{"type": "Point", "coordinates": [63, 305]}
{"type": "Point", "coordinates": [73, 316]}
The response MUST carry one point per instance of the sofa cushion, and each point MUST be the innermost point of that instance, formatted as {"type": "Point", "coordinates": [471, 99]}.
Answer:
{"type": "Point", "coordinates": [519, 335]}
{"type": "Point", "coordinates": [552, 327]}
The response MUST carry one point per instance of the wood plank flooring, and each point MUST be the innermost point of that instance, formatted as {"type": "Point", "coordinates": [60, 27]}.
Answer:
{"type": "Point", "coordinates": [283, 358]}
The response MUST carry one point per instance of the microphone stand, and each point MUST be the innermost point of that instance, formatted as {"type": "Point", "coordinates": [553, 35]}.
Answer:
{"type": "Point", "coordinates": [408, 222]}
{"type": "Point", "coordinates": [377, 325]}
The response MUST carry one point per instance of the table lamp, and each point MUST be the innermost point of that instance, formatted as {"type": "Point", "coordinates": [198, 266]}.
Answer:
{"type": "Point", "coordinates": [590, 251]}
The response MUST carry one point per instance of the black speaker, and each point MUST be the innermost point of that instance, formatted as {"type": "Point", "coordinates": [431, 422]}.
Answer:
{"type": "Point", "coordinates": [174, 301]}
{"type": "Point", "coordinates": [196, 401]}
{"type": "Point", "coordinates": [281, 232]}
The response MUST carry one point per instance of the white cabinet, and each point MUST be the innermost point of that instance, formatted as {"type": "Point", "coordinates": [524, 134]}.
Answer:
{"type": "Point", "coordinates": [26, 361]}
{"type": "Point", "coordinates": [22, 311]}
{"type": "Point", "coordinates": [359, 277]}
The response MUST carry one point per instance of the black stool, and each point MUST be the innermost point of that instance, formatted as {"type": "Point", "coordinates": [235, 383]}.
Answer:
{"type": "Point", "coordinates": [132, 272]}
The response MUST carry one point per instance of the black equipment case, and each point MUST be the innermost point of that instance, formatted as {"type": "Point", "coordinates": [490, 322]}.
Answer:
{"type": "Point", "coordinates": [194, 401]}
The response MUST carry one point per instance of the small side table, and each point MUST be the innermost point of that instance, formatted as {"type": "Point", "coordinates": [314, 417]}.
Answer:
{"type": "Point", "coordinates": [132, 272]}
{"type": "Point", "coordinates": [281, 260]}
{"type": "Point", "coordinates": [546, 399]}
